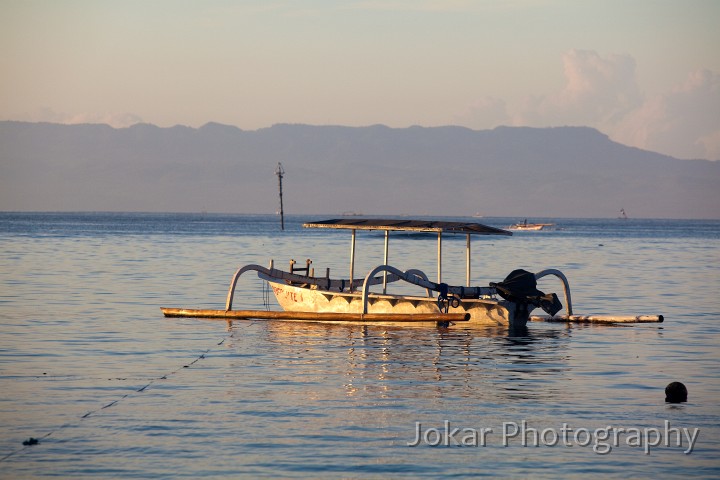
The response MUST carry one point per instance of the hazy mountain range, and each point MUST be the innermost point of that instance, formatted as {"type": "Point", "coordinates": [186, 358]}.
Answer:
{"type": "Point", "coordinates": [507, 171]}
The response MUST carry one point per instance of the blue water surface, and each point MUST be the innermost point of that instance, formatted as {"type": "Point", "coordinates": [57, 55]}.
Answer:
{"type": "Point", "coordinates": [111, 389]}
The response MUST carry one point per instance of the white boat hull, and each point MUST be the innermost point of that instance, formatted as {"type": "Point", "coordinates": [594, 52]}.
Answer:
{"type": "Point", "coordinates": [530, 228]}
{"type": "Point", "coordinates": [482, 311]}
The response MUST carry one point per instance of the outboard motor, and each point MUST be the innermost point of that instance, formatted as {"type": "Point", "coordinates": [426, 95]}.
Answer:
{"type": "Point", "coordinates": [520, 286]}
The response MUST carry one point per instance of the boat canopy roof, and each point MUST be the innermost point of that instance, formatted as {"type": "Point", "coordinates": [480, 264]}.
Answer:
{"type": "Point", "coordinates": [407, 225]}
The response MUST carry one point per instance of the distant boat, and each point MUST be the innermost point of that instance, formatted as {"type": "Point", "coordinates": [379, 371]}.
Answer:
{"type": "Point", "coordinates": [530, 226]}
{"type": "Point", "coordinates": [623, 216]}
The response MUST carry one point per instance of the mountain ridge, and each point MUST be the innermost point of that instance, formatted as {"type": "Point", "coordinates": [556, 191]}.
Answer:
{"type": "Point", "coordinates": [447, 170]}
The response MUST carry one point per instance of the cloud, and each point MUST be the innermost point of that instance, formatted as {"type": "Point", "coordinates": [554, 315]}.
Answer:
{"type": "Point", "coordinates": [116, 120]}
{"type": "Point", "coordinates": [597, 90]}
{"type": "Point", "coordinates": [603, 92]}
{"type": "Point", "coordinates": [684, 122]}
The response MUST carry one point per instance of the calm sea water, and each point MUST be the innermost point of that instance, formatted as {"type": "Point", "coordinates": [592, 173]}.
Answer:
{"type": "Point", "coordinates": [111, 389]}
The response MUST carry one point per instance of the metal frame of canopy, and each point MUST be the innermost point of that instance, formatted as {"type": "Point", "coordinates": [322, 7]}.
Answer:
{"type": "Point", "coordinates": [388, 225]}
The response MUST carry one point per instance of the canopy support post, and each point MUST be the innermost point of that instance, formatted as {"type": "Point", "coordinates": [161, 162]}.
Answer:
{"type": "Point", "coordinates": [352, 258]}
{"type": "Point", "coordinates": [467, 260]}
{"type": "Point", "coordinates": [385, 262]}
{"type": "Point", "coordinates": [439, 261]}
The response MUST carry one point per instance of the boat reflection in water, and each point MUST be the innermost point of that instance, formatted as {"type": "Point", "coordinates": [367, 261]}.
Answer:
{"type": "Point", "coordinates": [491, 364]}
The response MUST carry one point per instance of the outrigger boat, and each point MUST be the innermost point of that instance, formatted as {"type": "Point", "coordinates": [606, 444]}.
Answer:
{"type": "Point", "coordinates": [525, 226]}
{"type": "Point", "coordinates": [306, 297]}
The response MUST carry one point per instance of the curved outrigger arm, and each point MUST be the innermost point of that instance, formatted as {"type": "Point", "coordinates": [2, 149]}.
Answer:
{"type": "Point", "coordinates": [566, 285]}
{"type": "Point", "coordinates": [414, 276]}
{"type": "Point", "coordinates": [236, 276]}
{"type": "Point", "coordinates": [417, 277]}
{"type": "Point", "coordinates": [293, 278]}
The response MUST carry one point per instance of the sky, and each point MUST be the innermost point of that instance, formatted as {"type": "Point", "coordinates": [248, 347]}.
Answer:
{"type": "Point", "coordinates": [644, 72]}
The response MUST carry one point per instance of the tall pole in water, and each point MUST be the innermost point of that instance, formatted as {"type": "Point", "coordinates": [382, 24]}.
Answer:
{"type": "Point", "coordinates": [280, 172]}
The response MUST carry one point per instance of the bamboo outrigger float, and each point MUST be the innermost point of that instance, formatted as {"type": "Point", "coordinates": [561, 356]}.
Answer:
{"type": "Point", "coordinates": [305, 297]}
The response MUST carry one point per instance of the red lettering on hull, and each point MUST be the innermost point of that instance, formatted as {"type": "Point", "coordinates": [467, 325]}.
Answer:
{"type": "Point", "coordinates": [293, 296]}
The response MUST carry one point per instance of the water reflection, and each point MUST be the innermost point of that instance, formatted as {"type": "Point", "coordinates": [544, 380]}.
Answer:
{"type": "Point", "coordinates": [491, 364]}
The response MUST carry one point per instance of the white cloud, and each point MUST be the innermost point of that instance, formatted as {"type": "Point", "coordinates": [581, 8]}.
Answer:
{"type": "Point", "coordinates": [116, 120]}
{"type": "Point", "coordinates": [597, 90]}
{"type": "Point", "coordinates": [684, 122]}
{"type": "Point", "coordinates": [603, 92]}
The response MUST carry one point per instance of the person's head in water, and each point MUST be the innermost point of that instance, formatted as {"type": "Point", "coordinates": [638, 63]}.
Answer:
{"type": "Point", "coordinates": [675, 392]}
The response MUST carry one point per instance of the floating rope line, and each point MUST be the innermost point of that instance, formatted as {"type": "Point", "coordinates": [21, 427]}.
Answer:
{"type": "Point", "coordinates": [34, 441]}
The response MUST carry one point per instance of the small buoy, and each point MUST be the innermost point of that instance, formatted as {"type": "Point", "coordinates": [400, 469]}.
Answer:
{"type": "Point", "coordinates": [31, 441]}
{"type": "Point", "coordinates": [676, 392]}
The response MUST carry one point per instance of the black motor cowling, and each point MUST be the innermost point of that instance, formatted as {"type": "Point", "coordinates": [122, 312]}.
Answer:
{"type": "Point", "coordinates": [520, 286]}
